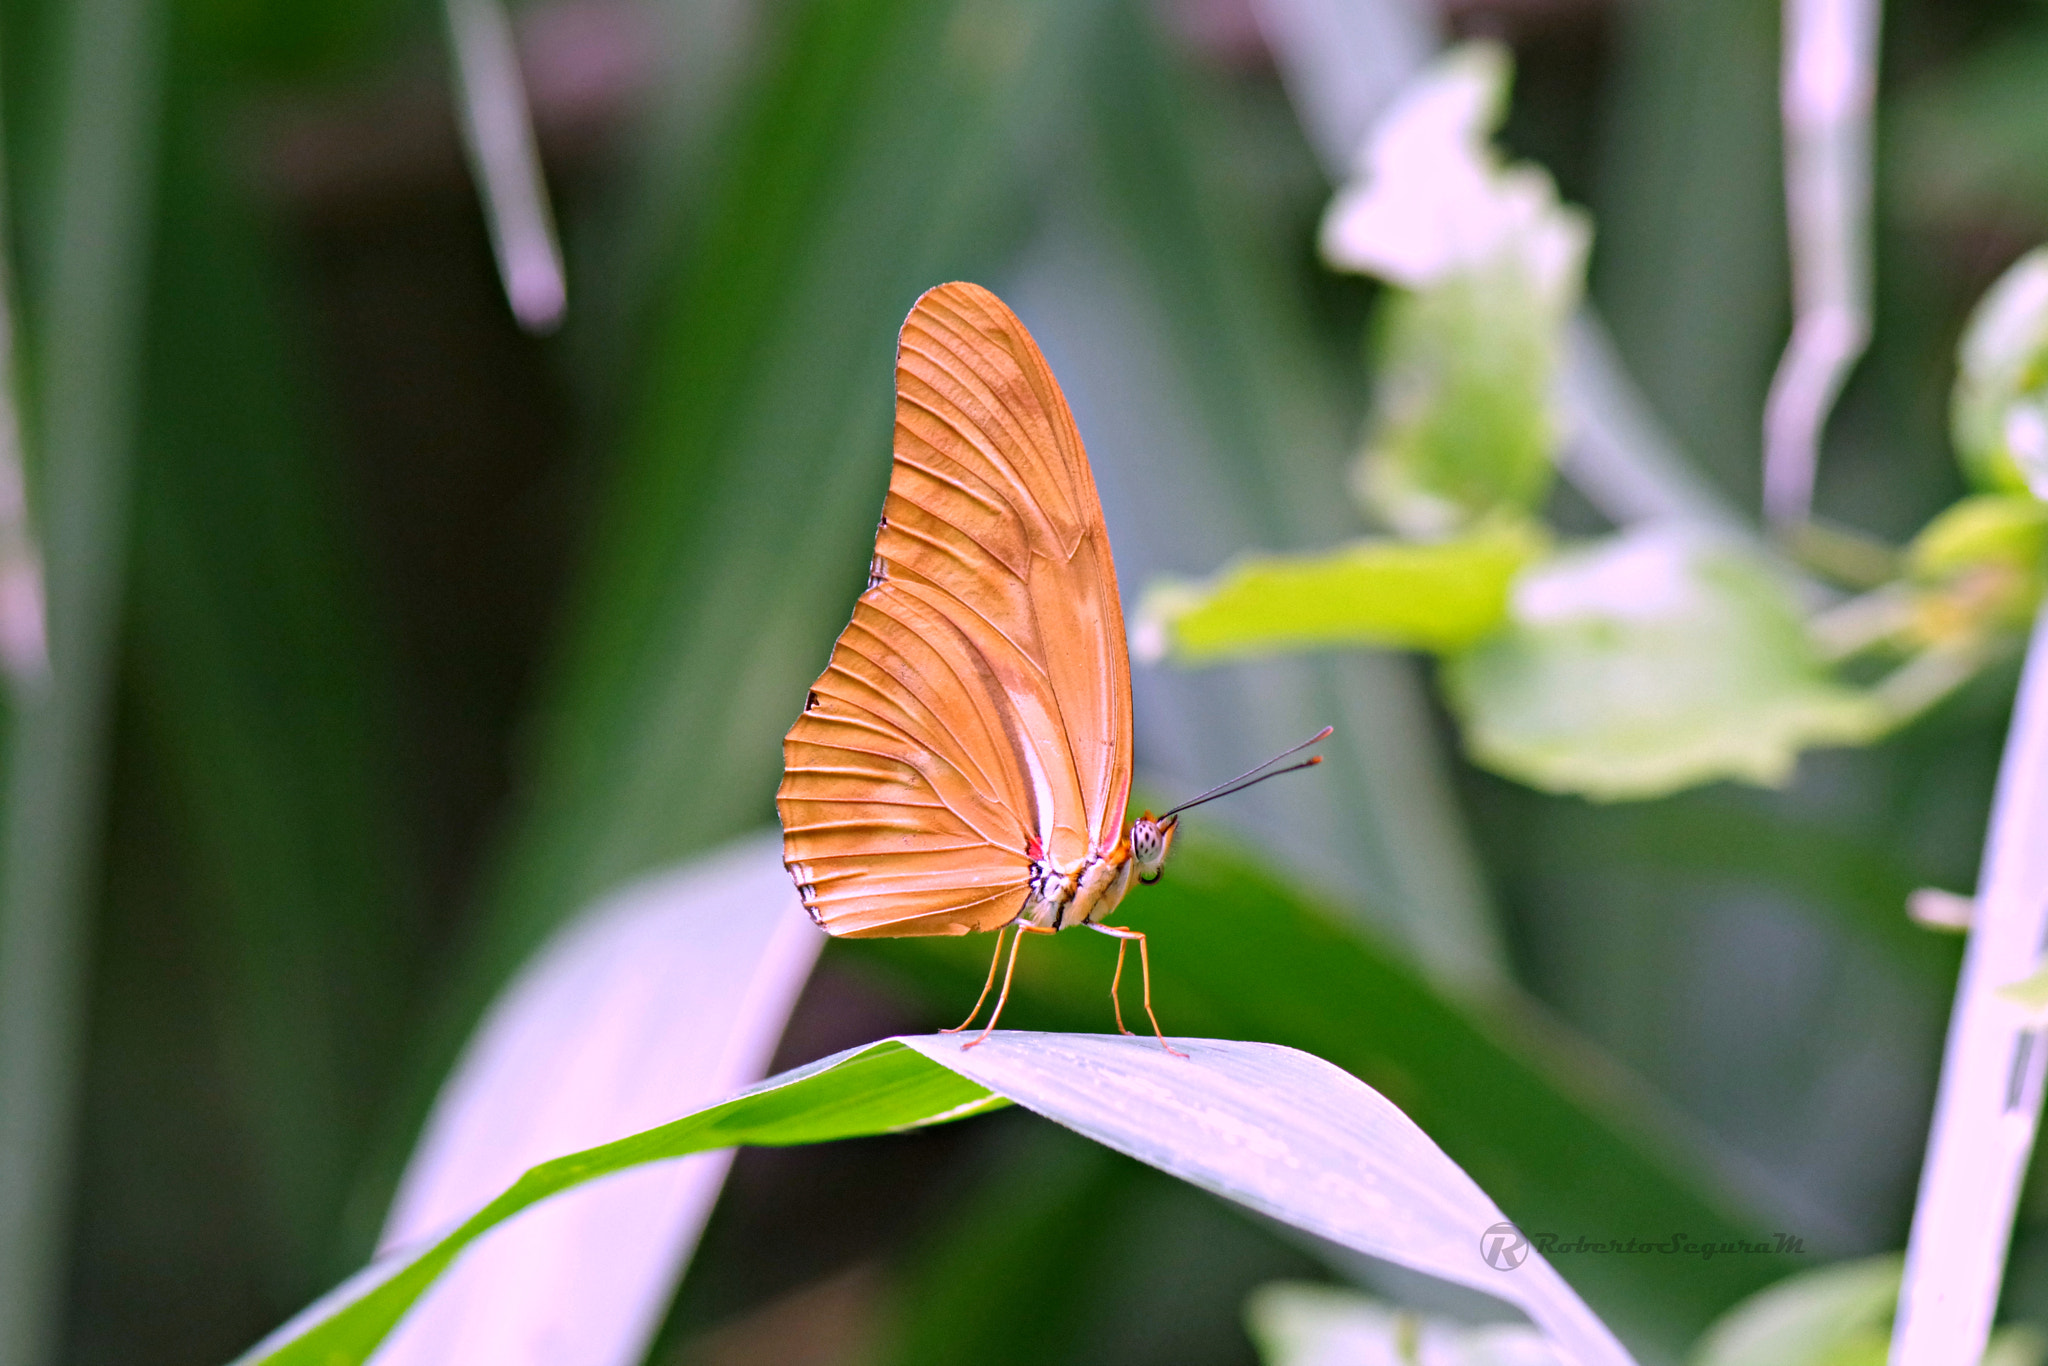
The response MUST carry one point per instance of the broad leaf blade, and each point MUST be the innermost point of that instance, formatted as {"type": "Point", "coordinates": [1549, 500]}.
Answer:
{"type": "Point", "coordinates": [1284, 1133]}
{"type": "Point", "coordinates": [664, 997]}
{"type": "Point", "coordinates": [880, 1089]}
{"type": "Point", "coordinates": [1268, 1127]}
{"type": "Point", "coordinates": [1649, 663]}
{"type": "Point", "coordinates": [266, 698]}
{"type": "Point", "coordinates": [1545, 1126]}
{"type": "Point", "coordinates": [86, 255]}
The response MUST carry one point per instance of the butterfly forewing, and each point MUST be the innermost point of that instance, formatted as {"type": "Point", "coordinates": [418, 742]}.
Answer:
{"type": "Point", "coordinates": [978, 706]}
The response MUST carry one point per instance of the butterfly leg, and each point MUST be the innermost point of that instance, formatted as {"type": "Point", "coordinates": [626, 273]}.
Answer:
{"type": "Point", "coordinates": [1008, 973]}
{"type": "Point", "coordinates": [993, 964]}
{"type": "Point", "coordinates": [1116, 981]}
{"type": "Point", "coordinates": [1145, 970]}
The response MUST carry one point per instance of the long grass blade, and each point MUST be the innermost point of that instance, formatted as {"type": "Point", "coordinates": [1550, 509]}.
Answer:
{"type": "Point", "coordinates": [497, 131]}
{"type": "Point", "coordinates": [93, 276]}
{"type": "Point", "coordinates": [656, 1001]}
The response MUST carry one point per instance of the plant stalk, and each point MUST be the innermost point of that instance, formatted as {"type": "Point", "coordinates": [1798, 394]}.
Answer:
{"type": "Point", "coordinates": [1989, 1105]}
{"type": "Point", "coordinates": [1828, 89]}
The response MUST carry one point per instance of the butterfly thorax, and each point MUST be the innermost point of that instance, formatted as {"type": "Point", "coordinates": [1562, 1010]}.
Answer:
{"type": "Point", "coordinates": [1060, 898]}
{"type": "Point", "coordinates": [1090, 890]}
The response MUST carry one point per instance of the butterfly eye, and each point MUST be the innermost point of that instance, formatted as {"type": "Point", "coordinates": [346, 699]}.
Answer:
{"type": "Point", "coordinates": [1150, 840]}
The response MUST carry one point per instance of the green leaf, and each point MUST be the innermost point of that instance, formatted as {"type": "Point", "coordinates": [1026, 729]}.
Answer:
{"type": "Point", "coordinates": [1650, 662]}
{"type": "Point", "coordinates": [1440, 595]}
{"type": "Point", "coordinates": [1051, 1201]}
{"type": "Point", "coordinates": [265, 704]}
{"type": "Point", "coordinates": [1462, 425]}
{"type": "Point", "coordinates": [1691, 198]}
{"type": "Point", "coordinates": [1278, 1131]}
{"type": "Point", "coordinates": [1838, 1315]}
{"type": "Point", "coordinates": [1968, 141]}
{"type": "Point", "coordinates": [881, 1089]}
{"type": "Point", "coordinates": [1489, 266]}
{"type": "Point", "coordinates": [1431, 200]}
{"type": "Point", "coordinates": [1999, 414]}
{"type": "Point", "coordinates": [1535, 1117]}
{"type": "Point", "coordinates": [1987, 529]}
{"type": "Point", "coordinates": [1977, 570]}
{"type": "Point", "coordinates": [1321, 1325]}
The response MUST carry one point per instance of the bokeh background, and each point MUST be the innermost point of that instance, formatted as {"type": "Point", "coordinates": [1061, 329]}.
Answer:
{"type": "Point", "coordinates": [386, 636]}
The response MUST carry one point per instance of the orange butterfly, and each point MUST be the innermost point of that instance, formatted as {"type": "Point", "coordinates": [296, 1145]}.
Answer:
{"type": "Point", "coordinates": [964, 761]}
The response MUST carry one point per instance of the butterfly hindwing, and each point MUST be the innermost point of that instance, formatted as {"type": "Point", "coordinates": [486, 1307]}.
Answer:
{"type": "Point", "coordinates": [978, 706]}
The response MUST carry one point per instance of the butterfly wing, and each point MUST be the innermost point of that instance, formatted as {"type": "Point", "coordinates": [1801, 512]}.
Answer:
{"type": "Point", "coordinates": [978, 707]}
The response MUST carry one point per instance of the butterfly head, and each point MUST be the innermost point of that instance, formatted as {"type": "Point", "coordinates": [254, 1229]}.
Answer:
{"type": "Point", "coordinates": [1150, 839]}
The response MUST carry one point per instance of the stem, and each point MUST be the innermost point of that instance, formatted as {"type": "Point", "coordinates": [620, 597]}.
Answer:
{"type": "Point", "coordinates": [497, 131]}
{"type": "Point", "coordinates": [1828, 83]}
{"type": "Point", "coordinates": [1989, 1104]}
{"type": "Point", "coordinates": [24, 642]}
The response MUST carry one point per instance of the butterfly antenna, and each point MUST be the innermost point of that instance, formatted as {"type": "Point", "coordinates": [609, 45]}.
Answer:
{"type": "Point", "coordinates": [1258, 773]}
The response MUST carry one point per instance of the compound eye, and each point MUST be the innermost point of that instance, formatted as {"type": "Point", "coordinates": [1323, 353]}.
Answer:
{"type": "Point", "coordinates": [1148, 849]}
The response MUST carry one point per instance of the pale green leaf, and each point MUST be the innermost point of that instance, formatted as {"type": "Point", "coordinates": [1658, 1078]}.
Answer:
{"type": "Point", "coordinates": [1441, 595]}
{"type": "Point", "coordinates": [1430, 200]}
{"type": "Point", "coordinates": [1837, 1315]}
{"type": "Point", "coordinates": [1650, 662]}
{"type": "Point", "coordinates": [1321, 1325]}
{"type": "Point", "coordinates": [1462, 422]}
{"type": "Point", "coordinates": [1999, 417]}
{"type": "Point", "coordinates": [1488, 266]}
{"type": "Point", "coordinates": [1987, 529]}
{"type": "Point", "coordinates": [1977, 571]}
{"type": "Point", "coordinates": [2030, 993]}
{"type": "Point", "coordinates": [1279, 1131]}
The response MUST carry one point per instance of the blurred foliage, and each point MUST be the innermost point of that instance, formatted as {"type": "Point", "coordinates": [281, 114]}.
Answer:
{"type": "Point", "coordinates": [1315, 1325]}
{"type": "Point", "coordinates": [1836, 1316]}
{"type": "Point", "coordinates": [1647, 662]}
{"type": "Point", "coordinates": [1534, 1119]}
{"type": "Point", "coordinates": [1486, 267]}
{"type": "Point", "coordinates": [1424, 595]}
{"type": "Point", "coordinates": [428, 632]}
{"type": "Point", "coordinates": [2001, 404]}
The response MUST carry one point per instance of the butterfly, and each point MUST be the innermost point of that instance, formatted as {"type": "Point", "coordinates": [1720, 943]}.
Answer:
{"type": "Point", "coordinates": [964, 761]}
